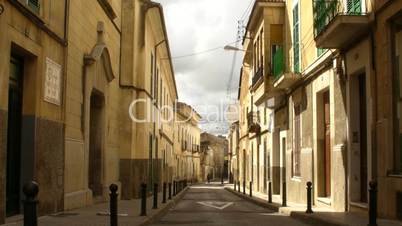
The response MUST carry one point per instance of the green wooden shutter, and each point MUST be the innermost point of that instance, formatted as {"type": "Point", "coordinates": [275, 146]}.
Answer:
{"type": "Point", "coordinates": [278, 61]}
{"type": "Point", "coordinates": [354, 7]}
{"type": "Point", "coordinates": [320, 51]}
{"type": "Point", "coordinates": [296, 40]}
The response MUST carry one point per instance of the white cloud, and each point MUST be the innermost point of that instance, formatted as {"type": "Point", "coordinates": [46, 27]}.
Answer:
{"type": "Point", "coordinates": [197, 25]}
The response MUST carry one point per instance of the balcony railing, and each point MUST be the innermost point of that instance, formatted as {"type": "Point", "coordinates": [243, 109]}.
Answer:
{"type": "Point", "coordinates": [326, 10]}
{"type": "Point", "coordinates": [257, 76]}
{"type": "Point", "coordinates": [278, 63]}
{"type": "Point", "coordinates": [253, 121]}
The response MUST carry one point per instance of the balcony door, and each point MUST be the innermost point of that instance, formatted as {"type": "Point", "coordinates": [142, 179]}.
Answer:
{"type": "Point", "coordinates": [327, 143]}
{"type": "Point", "coordinates": [354, 7]}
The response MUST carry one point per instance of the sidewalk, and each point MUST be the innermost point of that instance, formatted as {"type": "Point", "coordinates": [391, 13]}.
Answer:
{"type": "Point", "coordinates": [321, 216]}
{"type": "Point", "coordinates": [129, 214]}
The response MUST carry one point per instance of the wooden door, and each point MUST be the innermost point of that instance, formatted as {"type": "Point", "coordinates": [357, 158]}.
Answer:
{"type": "Point", "coordinates": [327, 151]}
{"type": "Point", "coordinates": [13, 186]}
{"type": "Point", "coordinates": [96, 145]}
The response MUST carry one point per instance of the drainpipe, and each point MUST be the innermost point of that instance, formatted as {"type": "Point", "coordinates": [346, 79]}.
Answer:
{"type": "Point", "coordinates": [66, 17]}
{"type": "Point", "coordinates": [375, 96]}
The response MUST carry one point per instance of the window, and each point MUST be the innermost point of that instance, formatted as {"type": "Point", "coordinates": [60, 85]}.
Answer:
{"type": "Point", "coordinates": [152, 75]}
{"type": "Point", "coordinates": [320, 51]}
{"type": "Point", "coordinates": [354, 7]}
{"type": "Point", "coordinates": [265, 163]}
{"type": "Point", "coordinates": [160, 91]}
{"type": "Point", "coordinates": [397, 100]}
{"type": "Point", "coordinates": [296, 142]}
{"type": "Point", "coordinates": [261, 49]}
{"type": "Point", "coordinates": [296, 38]}
{"type": "Point", "coordinates": [156, 90]}
{"type": "Point", "coordinates": [34, 5]}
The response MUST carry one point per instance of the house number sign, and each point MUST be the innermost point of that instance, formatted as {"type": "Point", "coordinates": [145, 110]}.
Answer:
{"type": "Point", "coordinates": [52, 82]}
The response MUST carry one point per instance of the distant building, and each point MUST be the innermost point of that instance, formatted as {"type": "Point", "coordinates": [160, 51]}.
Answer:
{"type": "Point", "coordinates": [233, 152]}
{"type": "Point", "coordinates": [213, 152]}
{"type": "Point", "coordinates": [187, 144]}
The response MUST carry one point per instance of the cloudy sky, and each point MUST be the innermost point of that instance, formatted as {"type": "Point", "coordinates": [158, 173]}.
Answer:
{"type": "Point", "coordinates": [193, 27]}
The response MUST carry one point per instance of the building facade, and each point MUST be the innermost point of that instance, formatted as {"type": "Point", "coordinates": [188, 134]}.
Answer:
{"type": "Point", "coordinates": [326, 78]}
{"type": "Point", "coordinates": [386, 62]}
{"type": "Point", "coordinates": [187, 144]}
{"type": "Point", "coordinates": [150, 93]}
{"type": "Point", "coordinates": [233, 152]}
{"type": "Point", "coordinates": [87, 99]}
{"type": "Point", "coordinates": [32, 108]}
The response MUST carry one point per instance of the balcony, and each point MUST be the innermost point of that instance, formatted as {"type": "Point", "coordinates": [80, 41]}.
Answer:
{"type": "Point", "coordinates": [253, 121]}
{"type": "Point", "coordinates": [257, 78]}
{"type": "Point", "coordinates": [282, 80]}
{"type": "Point", "coordinates": [337, 25]}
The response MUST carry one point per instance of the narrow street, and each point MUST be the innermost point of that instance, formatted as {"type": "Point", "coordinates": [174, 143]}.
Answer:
{"type": "Point", "coordinates": [212, 205]}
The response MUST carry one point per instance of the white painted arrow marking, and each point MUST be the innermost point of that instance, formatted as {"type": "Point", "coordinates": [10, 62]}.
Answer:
{"type": "Point", "coordinates": [216, 205]}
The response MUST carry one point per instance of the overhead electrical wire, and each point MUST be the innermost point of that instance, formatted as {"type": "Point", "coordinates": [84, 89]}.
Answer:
{"type": "Point", "coordinates": [200, 52]}
{"type": "Point", "coordinates": [248, 9]}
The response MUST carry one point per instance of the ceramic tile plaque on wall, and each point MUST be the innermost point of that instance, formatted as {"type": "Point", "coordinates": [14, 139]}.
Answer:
{"type": "Point", "coordinates": [52, 82]}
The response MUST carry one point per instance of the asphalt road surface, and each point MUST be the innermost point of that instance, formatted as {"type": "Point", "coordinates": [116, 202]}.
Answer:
{"type": "Point", "coordinates": [211, 205]}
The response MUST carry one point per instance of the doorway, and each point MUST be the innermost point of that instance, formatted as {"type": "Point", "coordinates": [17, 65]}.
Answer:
{"type": "Point", "coordinates": [13, 175]}
{"type": "Point", "coordinates": [363, 139]}
{"type": "Point", "coordinates": [327, 144]}
{"type": "Point", "coordinates": [96, 143]}
{"type": "Point", "coordinates": [244, 166]}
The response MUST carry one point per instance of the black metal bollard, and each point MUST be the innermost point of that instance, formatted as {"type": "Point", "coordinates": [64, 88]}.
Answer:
{"type": "Point", "coordinates": [309, 198]}
{"type": "Point", "coordinates": [222, 182]}
{"type": "Point", "coordinates": [284, 198]}
{"type": "Point", "coordinates": [113, 204]}
{"type": "Point", "coordinates": [164, 193]}
{"type": "Point", "coordinates": [234, 184]}
{"type": "Point", "coordinates": [155, 206]}
{"type": "Point", "coordinates": [251, 189]}
{"type": "Point", "coordinates": [373, 203]}
{"type": "Point", "coordinates": [270, 192]}
{"type": "Point", "coordinates": [31, 190]}
{"type": "Point", "coordinates": [170, 191]}
{"type": "Point", "coordinates": [143, 200]}
{"type": "Point", "coordinates": [244, 187]}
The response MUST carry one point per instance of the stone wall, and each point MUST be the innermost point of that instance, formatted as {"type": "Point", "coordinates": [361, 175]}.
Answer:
{"type": "Point", "coordinates": [49, 163]}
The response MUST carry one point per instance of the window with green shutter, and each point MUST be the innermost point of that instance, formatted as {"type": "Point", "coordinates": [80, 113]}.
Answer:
{"type": "Point", "coordinates": [320, 51]}
{"type": "Point", "coordinates": [296, 39]}
{"type": "Point", "coordinates": [34, 5]}
{"type": "Point", "coordinates": [354, 6]}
